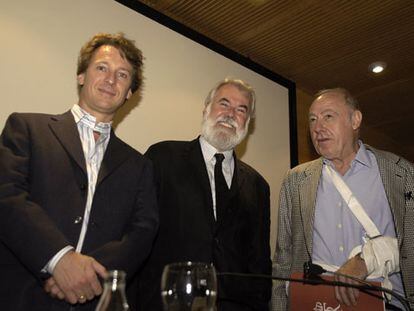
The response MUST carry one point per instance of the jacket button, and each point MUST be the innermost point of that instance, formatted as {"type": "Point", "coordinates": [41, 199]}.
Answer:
{"type": "Point", "coordinates": [83, 187]}
{"type": "Point", "coordinates": [78, 220]}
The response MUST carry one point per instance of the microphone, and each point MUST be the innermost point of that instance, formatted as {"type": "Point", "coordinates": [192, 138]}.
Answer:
{"type": "Point", "coordinates": [312, 271]}
{"type": "Point", "coordinates": [408, 195]}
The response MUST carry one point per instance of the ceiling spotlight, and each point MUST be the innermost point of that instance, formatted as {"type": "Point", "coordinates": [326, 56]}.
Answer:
{"type": "Point", "coordinates": [377, 67]}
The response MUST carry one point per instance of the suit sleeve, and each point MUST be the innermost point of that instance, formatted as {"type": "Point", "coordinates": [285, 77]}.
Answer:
{"type": "Point", "coordinates": [282, 260]}
{"type": "Point", "coordinates": [130, 252]}
{"type": "Point", "coordinates": [25, 228]}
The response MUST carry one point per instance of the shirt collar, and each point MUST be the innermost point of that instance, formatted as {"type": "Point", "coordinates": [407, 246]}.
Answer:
{"type": "Point", "coordinates": [361, 157]}
{"type": "Point", "coordinates": [209, 151]}
{"type": "Point", "coordinates": [89, 120]}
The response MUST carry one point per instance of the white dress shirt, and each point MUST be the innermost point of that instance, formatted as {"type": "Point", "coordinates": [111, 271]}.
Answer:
{"type": "Point", "coordinates": [228, 167]}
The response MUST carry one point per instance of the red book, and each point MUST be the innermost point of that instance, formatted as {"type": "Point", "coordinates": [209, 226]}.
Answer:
{"type": "Point", "coordinates": [304, 297]}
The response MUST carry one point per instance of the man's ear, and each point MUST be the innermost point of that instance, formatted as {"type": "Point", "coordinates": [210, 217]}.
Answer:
{"type": "Point", "coordinates": [81, 78]}
{"type": "Point", "coordinates": [206, 110]}
{"type": "Point", "coordinates": [356, 119]}
{"type": "Point", "coordinates": [129, 94]}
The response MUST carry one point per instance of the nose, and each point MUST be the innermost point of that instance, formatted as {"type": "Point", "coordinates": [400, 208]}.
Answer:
{"type": "Point", "coordinates": [110, 77]}
{"type": "Point", "coordinates": [230, 111]}
{"type": "Point", "coordinates": [317, 126]}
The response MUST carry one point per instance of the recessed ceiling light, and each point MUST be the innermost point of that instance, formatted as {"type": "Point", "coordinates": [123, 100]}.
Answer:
{"type": "Point", "coordinates": [377, 67]}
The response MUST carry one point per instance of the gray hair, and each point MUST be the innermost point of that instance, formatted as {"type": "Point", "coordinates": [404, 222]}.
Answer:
{"type": "Point", "coordinates": [241, 86]}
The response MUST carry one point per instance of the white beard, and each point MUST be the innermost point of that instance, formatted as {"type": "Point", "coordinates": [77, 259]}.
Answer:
{"type": "Point", "coordinates": [222, 138]}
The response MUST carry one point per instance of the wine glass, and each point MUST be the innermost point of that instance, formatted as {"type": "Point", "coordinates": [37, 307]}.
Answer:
{"type": "Point", "coordinates": [189, 286]}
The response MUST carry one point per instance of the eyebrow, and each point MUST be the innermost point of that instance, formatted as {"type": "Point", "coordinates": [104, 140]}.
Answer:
{"type": "Point", "coordinates": [323, 111]}
{"type": "Point", "coordinates": [226, 100]}
{"type": "Point", "coordinates": [106, 63]}
{"type": "Point", "coordinates": [245, 107]}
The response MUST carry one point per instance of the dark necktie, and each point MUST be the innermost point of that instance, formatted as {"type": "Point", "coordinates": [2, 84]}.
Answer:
{"type": "Point", "coordinates": [222, 190]}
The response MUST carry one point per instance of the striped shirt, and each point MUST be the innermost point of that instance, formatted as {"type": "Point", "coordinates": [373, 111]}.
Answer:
{"type": "Point", "coordinates": [94, 152]}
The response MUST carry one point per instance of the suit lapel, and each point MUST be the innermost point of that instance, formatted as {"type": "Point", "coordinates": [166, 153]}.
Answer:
{"type": "Point", "coordinates": [393, 178]}
{"type": "Point", "coordinates": [65, 130]}
{"type": "Point", "coordinates": [239, 176]}
{"type": "Point", "coordinates": [308, 188]}
{"type": "Point", "coordinates": [195, 158]}
{"type": "Point", "coordinates": [115, 154]}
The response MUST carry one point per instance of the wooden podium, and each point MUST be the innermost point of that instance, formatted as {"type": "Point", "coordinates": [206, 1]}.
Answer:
{"type": "Point", "coordinates": [308, 297]}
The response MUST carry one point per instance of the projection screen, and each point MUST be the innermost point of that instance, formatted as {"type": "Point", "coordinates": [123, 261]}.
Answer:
{"type": "Point", "coordinates": [40, 43]}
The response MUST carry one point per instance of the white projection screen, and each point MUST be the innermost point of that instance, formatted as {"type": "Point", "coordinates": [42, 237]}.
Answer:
{"type": "Point", "coordinates": [39, 47]}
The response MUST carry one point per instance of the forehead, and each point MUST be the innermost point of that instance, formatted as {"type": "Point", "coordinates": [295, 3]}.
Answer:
{"type": "Point", "coordinates": [329, 101]}
{"type": "Point", "coordinates": [109, 53]}
{"type": "Point", "coordinates": [231, 91]}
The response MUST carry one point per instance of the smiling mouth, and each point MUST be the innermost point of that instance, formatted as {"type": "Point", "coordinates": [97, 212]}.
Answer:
{"type": "Point", "coordinates": [107, 92]}
{"type": "Point", "coordinates": [225, 124]}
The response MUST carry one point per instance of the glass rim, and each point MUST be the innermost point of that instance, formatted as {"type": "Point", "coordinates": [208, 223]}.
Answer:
{"type": "Point", "coordinates": [189, 264]}
{"type": "Point", "coordinates": [116, 273]}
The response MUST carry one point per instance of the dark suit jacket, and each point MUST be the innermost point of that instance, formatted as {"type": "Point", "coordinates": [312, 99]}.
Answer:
{"type": "Point", "coordinates": [43, 189]}
{"type": "Point", "coordinates": [188, 230]}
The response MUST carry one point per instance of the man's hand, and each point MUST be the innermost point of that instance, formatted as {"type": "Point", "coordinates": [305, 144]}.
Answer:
{"type": "Point", "coordinates": [53, 289]}
{"type": "Point", "coordinates": [75, 278]}
{"type": "Point", "coordinates": [354, 267]}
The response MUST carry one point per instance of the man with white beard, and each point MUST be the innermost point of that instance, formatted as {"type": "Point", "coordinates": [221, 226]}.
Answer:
{"type": "Point", "coordinates": [213, 208]}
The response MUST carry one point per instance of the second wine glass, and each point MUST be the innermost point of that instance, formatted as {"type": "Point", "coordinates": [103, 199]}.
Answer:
{"type": "Point", "coordinates": [189, 286]}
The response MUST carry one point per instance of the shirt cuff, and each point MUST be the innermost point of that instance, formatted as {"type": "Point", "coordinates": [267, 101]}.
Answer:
{"type": "Point", "coordinates": [50, 266]}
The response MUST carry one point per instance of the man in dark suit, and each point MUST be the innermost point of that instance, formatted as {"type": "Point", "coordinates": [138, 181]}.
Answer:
{"type": "Point", "coordinates": [75, 200]}
{"type": "Point", "coordinates": [196, 223]}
